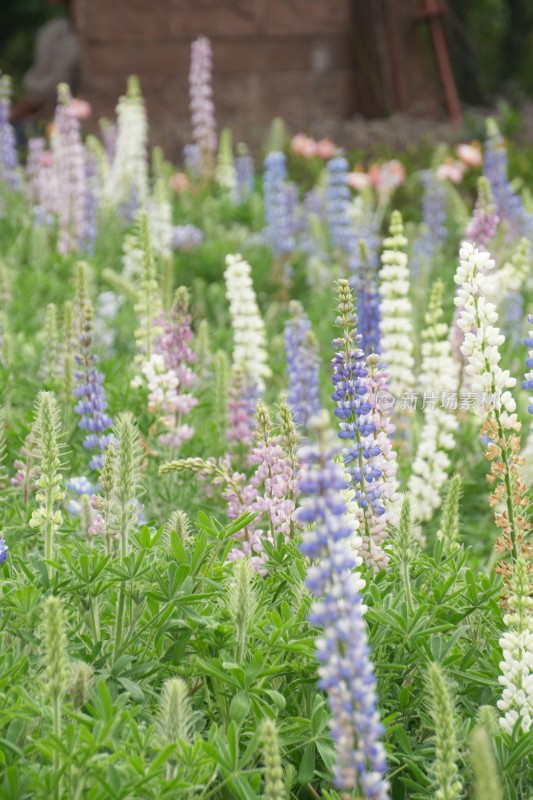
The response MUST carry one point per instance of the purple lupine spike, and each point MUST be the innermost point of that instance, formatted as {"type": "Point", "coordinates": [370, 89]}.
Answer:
{"type": "Point", "coordinates": [70, 168]}
{"type": "Point", "coordinates": [277, 208]}
{"type": "Point", "coordinates": [485, 220]}
{"type": "Point", "coordinates": [109, 138]}
{"type": "Point", "coordinates": [244, 174]}
{"type": "Point", "coordinates": [8, 150]}
{"type": "Point", "coordinates": [365, 283]}
{"type": "Point", "coordinates": [92, 179]}
{"type": "Point", "coordinates": [275, 474]}
{"type": "Point", "coordinates": [509, 205]}
{"type": "Point", "coordinates": [528, 382]}
{"type": "Point", "coordinates": [338, 201]}
{"type": "Point", "coordinates": [170, 383]}
{"type": "Point", "coordinates": [240, 410]}
{"type": "Point", "coordinates": [92, 405]}
{"type": "Point", "coordinates": [346, 671]}
{"type": "Point", "coordinates": [186, 237]}
{"type": "Point", "coordinates": [303, 366]}
{"type": "Point", "coordinates": [4, 550]}
{"type": "Point", "coordinates": [192, 159]}
{"type": "Point", "coordinates": [362, 449]}
{"type": "Point", "coordinates": [201, 101]}
{"type": "Point", "coordinates": [434, 233]}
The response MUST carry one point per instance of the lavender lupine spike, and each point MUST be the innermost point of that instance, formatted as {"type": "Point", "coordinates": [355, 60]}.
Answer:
{"type": "Point", "coordinates": [239, 429]}
{"type": "Point", "coordinates": [244, 174]}
{"type": "Point", "coordinates": [186, 237]}
{"type": "Point", "coordinates": [509, 205]}
{"type": "Point", "coordinates": [365, 284]}
{"type": "Point", "coordinates": [354, 409]}
{"type": "Point", "coordinates": [528, 382]}
{"type": "Point", "coordinates": [192, 159]}
{"type": "Point", "coordinates": [485, 220]}
{"type": "Point", "coordinates": [70, 170]}
{"type": "Point", "coordinates": [92, 405]}
{"type": "Point", "coordinates": [312, 237]}
{"type": "Point", "coordinates": [275, 473]}
{"type": "Point", "coordinates": [168, 385]}
{"type": "Point", "coordinates": [303, 366]}
{"type": "Point", "coordinates": [92, 201]}
{"type": "Point", "coordinates": [8, 151]}
{"type": "Point", "coordinates": [41, 181]}
{"type": "Point", "coordinates": [434, 230]}
{"type": "Point", "coordinates": [338, 201]}
{"type": "Point", "coordinates": [346, 671]}
{"type": "Point", "coordinates": [379, 397]}
{"type": "Point", "coordinates": [201, 102]}
{"type": "Point", "coordinates": [276, 200]}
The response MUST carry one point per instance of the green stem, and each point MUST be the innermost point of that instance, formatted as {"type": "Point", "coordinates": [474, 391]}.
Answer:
{"type": "Point", "coordinates": [119, 623]}
{"type": "Point", "coordinates": [407, 584]}
{"type": "Point", "coordinates": [508, 487]}
{"type": "Point", "coordinates": [56, 727]}
{"type": "Point", "coordinates": [503, 450]}
{"type": "Point", "coordinates": [95, 622]}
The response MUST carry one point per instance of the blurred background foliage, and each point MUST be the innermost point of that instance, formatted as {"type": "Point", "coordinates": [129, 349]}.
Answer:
{"type": "Point", "coordinates": [491, 44]}
{"type": "Point", "coordinates": [19, 22]}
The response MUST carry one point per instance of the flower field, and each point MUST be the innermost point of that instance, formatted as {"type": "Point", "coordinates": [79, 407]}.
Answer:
{"type": "Point", "coordinates": [265, 466]}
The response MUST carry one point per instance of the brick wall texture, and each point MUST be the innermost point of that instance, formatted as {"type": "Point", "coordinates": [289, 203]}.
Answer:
{"type": "Point", "coordinates": [303, 60]}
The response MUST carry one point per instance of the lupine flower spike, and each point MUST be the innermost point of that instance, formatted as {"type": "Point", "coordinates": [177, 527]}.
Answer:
{"type": "Point", "coordinates": [201, 103]}
{"type": "Point", "coordinates": [89, 389]}
{"type": "Point", "coordinates": [338, 200]}
{"type": "Point", "coordinates": [439, 375]}
{"type": "Point", "coordinates": [274, 784]}
{"type": "Point", "coordinates": [482, 340]}
{"type": "Point", "coordinates": [484, 222]}
{"type": "Point", "coordinates": [71, 175]}
{"type": "Point", "coordinates": [225, 171]}
{"type": "Point", "coordinates": [303, 365]}
{"type": "Point", "coordinates": [396, 310]}
{"type": "Point", "coordinates": [46, 440]}
{"type": "Point", "coordinates": [510, 207]}
{"type": "Point", "coordinates": [434, 231]}
{"type": "Point", "coordinates": [448, 784]}
{"type": "Point", "coordinates": [357, 429]}
{"type": "Point", "coordinates": [8, 151]}
{"type": "Point", "coordinates": [517, 645]}
{"type": "Point", "coordinates": [127, 184]}
{"type": "Point", "coordinates": [175, 719]}
{"type": "Point", "coordinates": [277, 215]}
{"type": "Point", "coordinates": [346, 672]}
{"type": "Point", "coordinates": [486, 779]}
{"type": "Point", "coordinates": [56, 667]}
{"type": "Point", "coordinates": [249, 340]}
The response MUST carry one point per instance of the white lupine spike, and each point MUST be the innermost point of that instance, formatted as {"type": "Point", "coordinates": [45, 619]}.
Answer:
{"type": "Point", "coordinates": [249, 339]}
{"type": "Point", "coordinates": [396, 309]}
{"type": "Point", "coordinates": [482, 338]}
{"type": "Point", "coordinates": [439, 373]}
{"type": "Point", "coordinates": [517, 648]}
{"type": "Point", "coordinates": [128, 177]}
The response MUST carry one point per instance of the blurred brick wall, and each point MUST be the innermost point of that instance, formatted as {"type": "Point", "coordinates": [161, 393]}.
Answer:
{"type": "Point", "coordinates": [308, 61]}
{"type": "Point", "coordinates": [289, 58]}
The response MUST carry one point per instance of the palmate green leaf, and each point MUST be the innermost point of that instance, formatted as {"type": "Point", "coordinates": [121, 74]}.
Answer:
{"type": "Point", "coordinates": [307, 764]}
{"type": "Point", "coordinates": [520, 751]}
{"type": "Point", "coordinates": [239, 707]}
